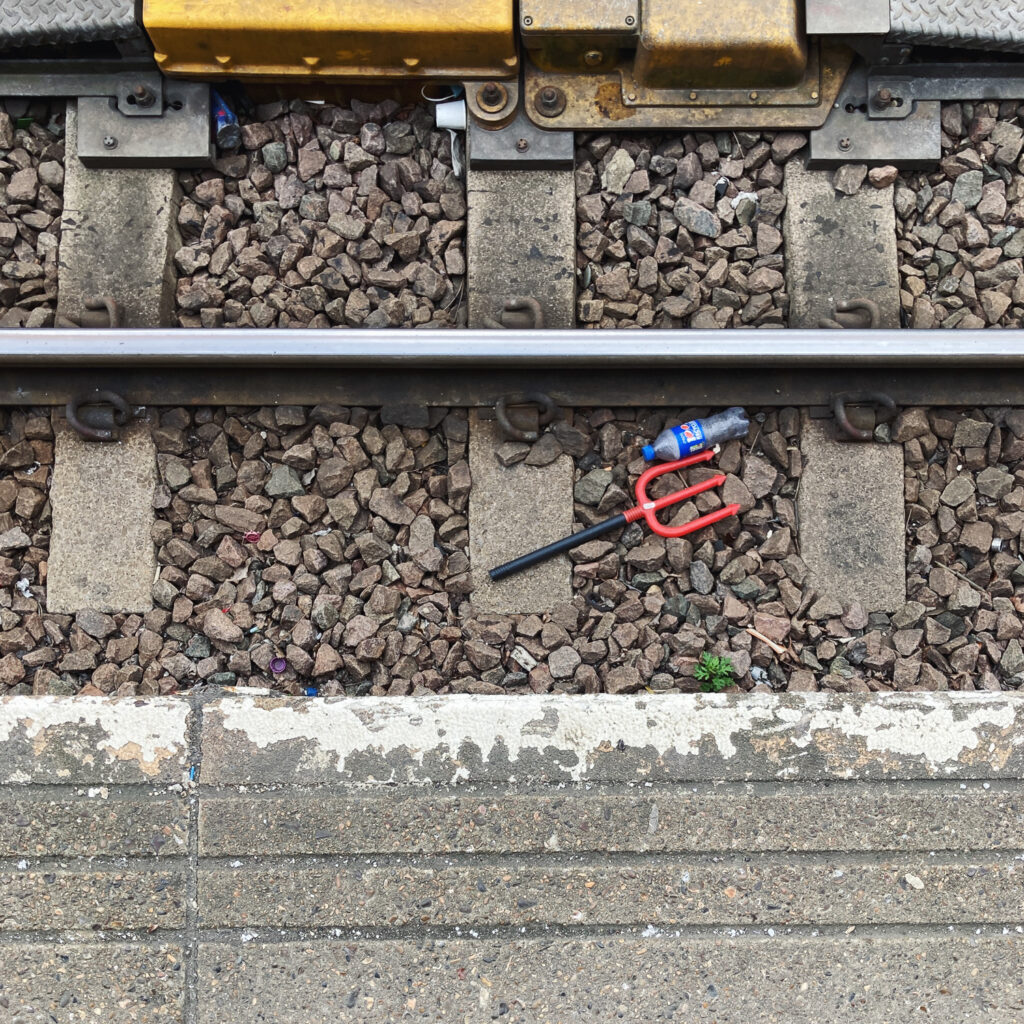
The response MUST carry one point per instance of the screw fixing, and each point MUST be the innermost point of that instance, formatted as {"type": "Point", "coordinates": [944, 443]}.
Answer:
{"type": "Point", "coordinates": [593, 57]}
{"type": "Point", "coordinates": [522, 145]}
{"type": "Point", "coordinates": [844, 144]}
{"type": "Point", "coordinates": [109, 142]}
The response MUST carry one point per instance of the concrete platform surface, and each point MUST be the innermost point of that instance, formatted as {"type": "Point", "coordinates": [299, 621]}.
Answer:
{"type": "Point", "coordinates": [792, 858]}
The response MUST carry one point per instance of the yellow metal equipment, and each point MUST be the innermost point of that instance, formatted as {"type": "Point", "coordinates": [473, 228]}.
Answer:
{"type": "Point", "coordinates": [333, 39]}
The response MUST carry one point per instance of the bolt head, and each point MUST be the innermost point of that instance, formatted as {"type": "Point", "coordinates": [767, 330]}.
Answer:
{"type": "Point", "coordinates": [844, 144]}
{"type": "Point", "coordinates": [593, 57]}
{"type": "Point", "coordinates": [522, 145]}
{"type": "Point", "coordinates": [109, 142]}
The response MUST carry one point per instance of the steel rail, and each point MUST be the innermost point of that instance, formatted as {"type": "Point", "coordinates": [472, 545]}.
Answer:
{"type": "Point", "coordinates": [476, 368]}
{"type": "Point", "coordinates": [405, 349]}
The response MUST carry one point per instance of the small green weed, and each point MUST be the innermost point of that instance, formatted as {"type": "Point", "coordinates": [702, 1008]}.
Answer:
{"type": "Point", "coordinates": [714, 673]}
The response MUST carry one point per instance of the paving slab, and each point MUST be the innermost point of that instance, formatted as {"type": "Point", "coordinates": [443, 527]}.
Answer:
{"type": "Point", "coordinates": [47, 897]}
{"type": "Point", "coordinates": [101, 552]}
{"type": "Point", "coordinates": [92, 822]}
{"type": "Point", "coordinates": [838, 247]}
{"type": "Point", "coordinates": [852, 528]}
{"type": "Point", "coordinates": [764, 978]}
{"type": "Point", "coordinates": [601, 890]}
{"type": "Point", "coordinates": [706, 818]}
{"type": "Point", "coordinates": [119, 232]}
{"type": "Point", "coordinates": [112, 982]}
{"type": "Point", "coordinates": [513, 510]}
{"type": "Point", "coordinates": [521, 241]}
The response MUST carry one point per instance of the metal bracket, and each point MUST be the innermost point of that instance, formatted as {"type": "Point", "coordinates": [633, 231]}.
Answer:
{"type": "Point", "coordinates": [893, 93]}
{"type": "Point", "coordinates": [852, 134]}
{"type": "Point", "coordinates": [129, 114]}
{"type": "Point", "coordinates": [519, 145]}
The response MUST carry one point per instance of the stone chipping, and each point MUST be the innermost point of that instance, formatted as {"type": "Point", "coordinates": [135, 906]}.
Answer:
{"type": "Point", "coordinates": [31, 202]}
{"type": "Point", "coordinates": [682, 230]}
{"type": "Point", "coordinates": [325, 551]}
{"type": "Point", "coordinates": [326, 216]}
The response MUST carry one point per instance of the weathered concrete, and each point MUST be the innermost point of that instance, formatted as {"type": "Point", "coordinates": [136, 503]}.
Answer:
{"type": "Point", "coordinates": [46, 898]}
{"type": "Point", "coordinates": [104, 982]}
{"type": "Point", "coordinates": [521, 240]}
{"type": "Point", "coordinates": [119, 232]}
{"type": "Point", "coordinates": [706, 818]}
{"type": "Point", "coordinates": [457, 740]}
{"type": "Point", "coordinates": [764, 978]}
{"type": "Point", "coordinates": [101, 554]}
{"type": "Point", "coordinates": [93, 741]}
{"type": "Point", "coordinates": [787, 858]}
{"type": "Point", "coordinates": [600, 890]}
{"type": "Point", "coordinates": [838, 248]}
{"type": "Point", "coordinates": [513, 510]}
{"type": "Point", "coordinates": [852, 532]}
{"type": "Point", "coordinates": [93, 822]}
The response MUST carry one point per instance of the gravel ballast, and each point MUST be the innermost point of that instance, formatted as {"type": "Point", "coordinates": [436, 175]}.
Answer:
{"type": "Point", "coordinates": [31, 191]}
{"type": "Point", "coordinates": [324, 550]}
{"type": "Point", "coordinates": [326, 216]}
{"type": "Point", "coordinates": [682, 230]}
{"type": "Point", "coordinates": [960, 237]}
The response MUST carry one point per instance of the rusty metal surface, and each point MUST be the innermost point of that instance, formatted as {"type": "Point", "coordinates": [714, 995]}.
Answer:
{"type": "Point", "coordinates": [693, 44]}
{"type": "Point", "coordinates": [596, 101]}
{"type": "Point", "coordinates": [569, 35]}
{"type": "Point", "coordinates": [326, 40]}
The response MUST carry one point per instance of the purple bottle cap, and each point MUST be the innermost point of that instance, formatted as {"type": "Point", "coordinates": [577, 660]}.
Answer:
{"type": "Point", "coordinates": [278, 665]}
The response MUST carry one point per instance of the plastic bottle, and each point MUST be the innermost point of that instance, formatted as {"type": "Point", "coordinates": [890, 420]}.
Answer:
{"type": "Point", "coordinates": [695, 436]}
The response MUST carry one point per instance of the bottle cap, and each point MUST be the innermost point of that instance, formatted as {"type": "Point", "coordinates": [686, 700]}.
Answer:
{"type": "Point", "coordinates": [648, 452]}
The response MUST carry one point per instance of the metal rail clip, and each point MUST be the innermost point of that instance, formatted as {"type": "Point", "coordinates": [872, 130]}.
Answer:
{"type": "Point", "coordinates": [530, 411]}
{"type": "Point", "coordinates": [97, 415]}
{"type": "Point", "coordinates": [520, 313]}
{"type": "Point", "coordinates": [859, 413]}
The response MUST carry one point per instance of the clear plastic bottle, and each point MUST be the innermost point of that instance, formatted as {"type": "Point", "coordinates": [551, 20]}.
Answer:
{"type": "Point", "coordinates": [696, 435]}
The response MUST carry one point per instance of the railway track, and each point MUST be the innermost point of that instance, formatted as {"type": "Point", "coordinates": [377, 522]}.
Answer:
{"type": "Point", "coordinates": [245, 511]}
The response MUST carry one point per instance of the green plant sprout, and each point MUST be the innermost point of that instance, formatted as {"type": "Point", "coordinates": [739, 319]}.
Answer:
{"type": "Point", "coordinates": [714, 673]}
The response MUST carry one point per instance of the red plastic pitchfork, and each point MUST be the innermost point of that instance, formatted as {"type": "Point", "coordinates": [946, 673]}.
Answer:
{"type": "Point", "coordinates": [645, 508]}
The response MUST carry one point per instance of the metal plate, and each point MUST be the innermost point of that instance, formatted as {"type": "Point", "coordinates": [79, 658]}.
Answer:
{"type": "Point", "coordinates": [595, 102]}
{"type": "Point", "coordinates": [87, 78]}
{"type": "Point", "coordinates": [180, 138]}
{"type": "Point", "coordinates": [521, 145]}
{"type": "Point", "coordinates": [850, 136]}
{"type": "Point", "coordinates": [751, 44]}
{"type": "Point", "coordinates": [324, 39]}
{"type": "Point", "coordinates": [51, 22]}
{"type": "Point", "coordinates": [804, 94]}
{"type": "Point", "coordinates": [842, 18]}
{"type": "Point", "coordinates": [953, 81]}
{"type": "Point", "coordinates": [584, 17]}
{"type": "Point", "coordinates": [987, 24]}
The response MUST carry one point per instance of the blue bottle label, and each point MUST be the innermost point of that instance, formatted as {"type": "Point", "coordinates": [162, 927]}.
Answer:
{"type": "Point", "coordinates": [689, 437]}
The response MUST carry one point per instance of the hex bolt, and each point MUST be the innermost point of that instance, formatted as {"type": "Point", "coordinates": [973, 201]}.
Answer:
{"type": "Point", "coordinates": [143, 96]}
{"type": "Point", "coordinates": [593, 57]}
{"type": "Point", "coordinates": [490, 93]}
{"type": "Point", "coordinates": [548, 97]}
{"type": "Point", "coordinates": [109, 142]}
{"type": "Point", "coordinates": [884, 98]}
